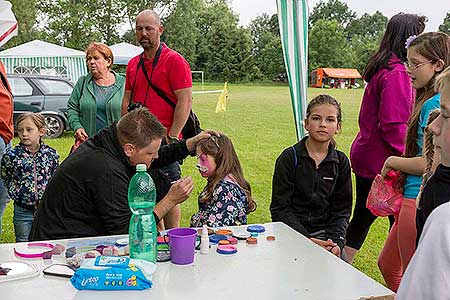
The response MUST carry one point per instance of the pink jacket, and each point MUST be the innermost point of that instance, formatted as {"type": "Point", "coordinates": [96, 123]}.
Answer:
{"type": "Point", "coordinates": [383, 119]}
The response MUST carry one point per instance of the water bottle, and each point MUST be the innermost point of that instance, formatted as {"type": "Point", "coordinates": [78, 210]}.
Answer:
{"type": "Point", "coordinates": [142, 200]}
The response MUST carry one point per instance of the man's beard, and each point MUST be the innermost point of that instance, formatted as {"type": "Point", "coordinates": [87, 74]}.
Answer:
{"type": "Point", "coordinates": [147, 45]}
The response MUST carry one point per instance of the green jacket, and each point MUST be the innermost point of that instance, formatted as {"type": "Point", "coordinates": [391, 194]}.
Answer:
{"type": "Point", "coordinates": [82, 107]}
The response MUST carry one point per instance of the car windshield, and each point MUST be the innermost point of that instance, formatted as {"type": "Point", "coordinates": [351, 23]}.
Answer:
{"type": "Point", "coordinates": [54, 87]}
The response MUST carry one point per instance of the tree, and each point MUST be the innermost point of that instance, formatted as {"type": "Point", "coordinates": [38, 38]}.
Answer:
{"type": "Point", "coordinates": [445, 26]}
{"type": "Point", "coordinates": [328, 46]}
{"type": "Point", "coordinates": [369, 26]}
{"type": "Point", "coordinates": [182, 31]}
{"type": "Point", "coordinates": [267, 48]}
{"type": "Point", "coordinates": [70, 23]}
{"type": "Point", "coordinates": [332, 10]}
{"type": "Point", "coordinates": [225, 50]}
{"type": "Point", "coordinates": [131, 9]}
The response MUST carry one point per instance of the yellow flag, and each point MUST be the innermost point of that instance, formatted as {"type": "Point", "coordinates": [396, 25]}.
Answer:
{"type": "Point", "coordinates": [222, 102]}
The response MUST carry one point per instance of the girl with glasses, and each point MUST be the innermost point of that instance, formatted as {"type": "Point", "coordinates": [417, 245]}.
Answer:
{"type": "Point", "coordinates": [428, 55]}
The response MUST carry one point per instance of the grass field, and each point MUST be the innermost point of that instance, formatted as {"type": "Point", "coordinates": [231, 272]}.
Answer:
{"type": "Point", "coordinates": [260, 123]}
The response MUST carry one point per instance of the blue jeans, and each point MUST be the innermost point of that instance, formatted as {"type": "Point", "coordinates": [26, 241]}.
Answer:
{"type": "Point", "coordinates": [4, 197]}
{"type": "Point", "coordinates": [172, 171]}
{"type": "Point", "coordinates": [23, 220]}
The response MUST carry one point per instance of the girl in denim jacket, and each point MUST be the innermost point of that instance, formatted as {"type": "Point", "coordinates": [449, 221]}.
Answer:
{"type": "Point", "coordinates": [26, 170]}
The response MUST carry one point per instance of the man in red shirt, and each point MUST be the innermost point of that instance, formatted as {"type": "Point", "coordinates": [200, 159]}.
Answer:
{"type": "Point", "coordinates": [6, 131]}
{"type": "Point", "coordinates": [160, 79]}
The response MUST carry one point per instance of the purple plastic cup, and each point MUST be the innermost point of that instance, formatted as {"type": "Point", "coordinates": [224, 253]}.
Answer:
{"type": "Point", "coordinates": [182, 245]}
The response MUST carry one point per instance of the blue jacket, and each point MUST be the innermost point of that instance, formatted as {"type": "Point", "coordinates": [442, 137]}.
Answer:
{"type": "Point", "coordinates": [27, 174]}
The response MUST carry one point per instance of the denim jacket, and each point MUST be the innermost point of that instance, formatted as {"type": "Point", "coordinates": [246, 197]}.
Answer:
{"type": "Point", "coordinates": [27, 174]}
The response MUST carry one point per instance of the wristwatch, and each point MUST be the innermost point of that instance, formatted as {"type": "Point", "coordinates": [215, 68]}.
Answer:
{"type": "Point", "coordinates": [172, 139]}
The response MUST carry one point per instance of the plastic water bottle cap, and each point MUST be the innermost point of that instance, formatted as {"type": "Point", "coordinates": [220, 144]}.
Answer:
{"type": "Point", "coordinates": [141, 168]}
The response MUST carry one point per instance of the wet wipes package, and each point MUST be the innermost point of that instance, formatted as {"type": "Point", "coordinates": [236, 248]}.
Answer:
{"type": "Point", "coordinates": [113, 273]}
{"type": "Point", "coordinates": [112, 261]}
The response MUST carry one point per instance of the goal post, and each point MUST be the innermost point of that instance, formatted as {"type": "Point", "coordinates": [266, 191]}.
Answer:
{"type": "Point", "coordinates": [203, 77]}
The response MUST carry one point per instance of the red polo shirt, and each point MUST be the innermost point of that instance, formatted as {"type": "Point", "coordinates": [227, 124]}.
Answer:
{"type": "Point", "coordinates": [171, 73]}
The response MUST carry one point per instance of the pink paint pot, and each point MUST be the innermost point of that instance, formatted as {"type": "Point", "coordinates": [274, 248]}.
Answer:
{"type": "Point", "coordinates": [182, 245]}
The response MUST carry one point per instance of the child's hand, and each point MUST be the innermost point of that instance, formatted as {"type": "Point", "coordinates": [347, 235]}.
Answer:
{"type": "Point", "coordinates": [387, 166]}
{"type": "Point", "coordinates": [327, 245]}
{"type": "Point", "coordinates": [336, 251]}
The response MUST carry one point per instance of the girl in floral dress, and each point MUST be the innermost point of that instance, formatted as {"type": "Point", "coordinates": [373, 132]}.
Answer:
{"type": "Point", "coordinates": [26, 170]}
{"type": "Point", "coordinates": [226, 199]}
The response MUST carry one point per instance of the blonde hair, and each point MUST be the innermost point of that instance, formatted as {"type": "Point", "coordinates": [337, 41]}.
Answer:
{"type": "Point", "coordinates": [442, 80]}
{"type": "Point", "coordinates": [37, 119]}
{"type": "Point", "coordinates": [428, 152]}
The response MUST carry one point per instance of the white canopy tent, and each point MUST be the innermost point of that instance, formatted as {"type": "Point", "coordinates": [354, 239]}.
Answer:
{"type": "Point", "coordinates": [8, 23]}
{"type": "Point", "coordinates": [123, 52]}
{"type": "Point", "coordinates": [39, 57]}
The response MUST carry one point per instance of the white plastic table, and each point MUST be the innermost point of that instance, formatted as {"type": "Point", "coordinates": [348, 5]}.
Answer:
{"type": "Point", "coordinates": [291, 267]}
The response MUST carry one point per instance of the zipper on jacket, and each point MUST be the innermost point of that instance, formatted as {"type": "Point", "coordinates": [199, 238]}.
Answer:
{"type": "Point", "coordinates": [36, 197]}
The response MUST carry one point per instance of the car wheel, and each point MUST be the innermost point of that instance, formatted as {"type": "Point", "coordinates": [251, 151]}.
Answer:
{"type": "Point", "coordinates": [54, 126]}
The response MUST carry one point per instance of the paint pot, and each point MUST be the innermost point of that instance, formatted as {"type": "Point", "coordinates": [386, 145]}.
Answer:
{"type": "Point", "coordinates": [182, 245]}
{"type": "Point", "coordinates": [215, 238]}
{"type": "Point", "coordinates": [233, 240]}
{"type": "Point", "coordinates": [224, 232]}
{"type": "Point", "coordinates": [256, 228]}
{"type": "Point", "coordinates": [226, 249]}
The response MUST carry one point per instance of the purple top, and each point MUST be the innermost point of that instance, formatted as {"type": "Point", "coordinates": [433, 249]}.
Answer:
{"type": "Point", "coordinates": [383, 119]}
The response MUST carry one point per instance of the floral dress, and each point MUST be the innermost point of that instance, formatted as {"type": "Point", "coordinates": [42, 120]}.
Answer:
{"type": "Point", "coordinates": [27, 174]}
{"type": "Point", "coordinates": [228, 207]}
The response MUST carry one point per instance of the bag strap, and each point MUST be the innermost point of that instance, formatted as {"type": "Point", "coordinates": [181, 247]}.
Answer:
{"type": "Point", "coordinates": [158, 91]}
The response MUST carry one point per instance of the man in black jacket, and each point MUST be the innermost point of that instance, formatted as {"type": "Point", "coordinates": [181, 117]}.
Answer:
{"type": "Point", "coordinates": [87, 196]}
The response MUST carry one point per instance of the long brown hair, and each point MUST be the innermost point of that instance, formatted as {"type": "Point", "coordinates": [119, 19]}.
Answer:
{"type": "Point", "coordinates": [428, 151]}
{"type": "Point", "coordinates": [433, 46]}
{"type": "Point", "coordinates": [398, 29]}
{"type": "Point", "coordinates": [227, 163]}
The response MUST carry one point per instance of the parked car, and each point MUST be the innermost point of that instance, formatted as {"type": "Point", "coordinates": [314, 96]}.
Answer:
{"type": "Point", "coordinates": [47, 95]}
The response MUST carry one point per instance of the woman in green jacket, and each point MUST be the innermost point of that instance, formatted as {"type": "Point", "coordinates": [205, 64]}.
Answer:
{"type": "Point", "coordinates": [96, 99]}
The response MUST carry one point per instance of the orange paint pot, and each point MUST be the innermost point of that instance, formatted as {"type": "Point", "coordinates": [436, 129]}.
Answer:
{"type": "Point", "coordinates": [252, 241]}
{"type": "Point", "coordinates": [224, 232]}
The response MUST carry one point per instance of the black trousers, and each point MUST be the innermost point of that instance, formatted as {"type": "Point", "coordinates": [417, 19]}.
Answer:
{"type": "Point", "coordinates": [362, 217]}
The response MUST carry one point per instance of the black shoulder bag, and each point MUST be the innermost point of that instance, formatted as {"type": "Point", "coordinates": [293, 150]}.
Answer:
{"type": "Point", "coordinates": [192, 126]}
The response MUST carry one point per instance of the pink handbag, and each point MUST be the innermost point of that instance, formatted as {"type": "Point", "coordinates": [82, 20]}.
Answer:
{"type": "Point", "coordinates": [384, 198]}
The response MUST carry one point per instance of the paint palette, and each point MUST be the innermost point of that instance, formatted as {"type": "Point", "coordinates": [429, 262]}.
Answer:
{"type": "Point", "coordinates": [15, 270]}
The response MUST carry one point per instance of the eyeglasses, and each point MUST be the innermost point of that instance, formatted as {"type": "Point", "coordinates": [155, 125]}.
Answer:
{"type": "Point", "coordinates": [412, 66]}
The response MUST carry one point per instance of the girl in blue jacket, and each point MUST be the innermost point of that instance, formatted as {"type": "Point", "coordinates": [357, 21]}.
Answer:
{"type": "Point", "coordinates": [26, 170]}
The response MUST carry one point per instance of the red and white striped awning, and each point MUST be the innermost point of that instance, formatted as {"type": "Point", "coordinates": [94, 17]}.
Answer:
{"type": "Point", "coordinates": [8, 23]}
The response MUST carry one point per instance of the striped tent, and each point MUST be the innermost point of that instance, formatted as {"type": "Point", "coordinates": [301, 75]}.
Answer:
{"type": "Point", "coordinates": [293, 21]}
{"type": "Point", "coordinates": [38, 57]}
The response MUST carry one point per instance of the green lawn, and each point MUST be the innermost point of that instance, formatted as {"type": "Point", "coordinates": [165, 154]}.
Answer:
{"type": "Point", "coordinates": [259, 121]}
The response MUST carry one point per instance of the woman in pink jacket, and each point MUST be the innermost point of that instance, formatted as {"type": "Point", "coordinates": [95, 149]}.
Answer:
{"type": "Point", "coordinates": [383, 119]}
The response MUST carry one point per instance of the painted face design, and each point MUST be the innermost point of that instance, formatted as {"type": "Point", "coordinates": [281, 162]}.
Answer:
{"type": "Point", "coordinates": [206, 165]}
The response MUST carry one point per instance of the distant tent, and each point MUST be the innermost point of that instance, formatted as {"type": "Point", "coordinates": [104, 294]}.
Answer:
{"type": "Point", "coordinates": [39, 57]}
{"type": "Point", "coordinates": [322, 76]}
{"type": "Point", "coordinates": [123, 52]}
